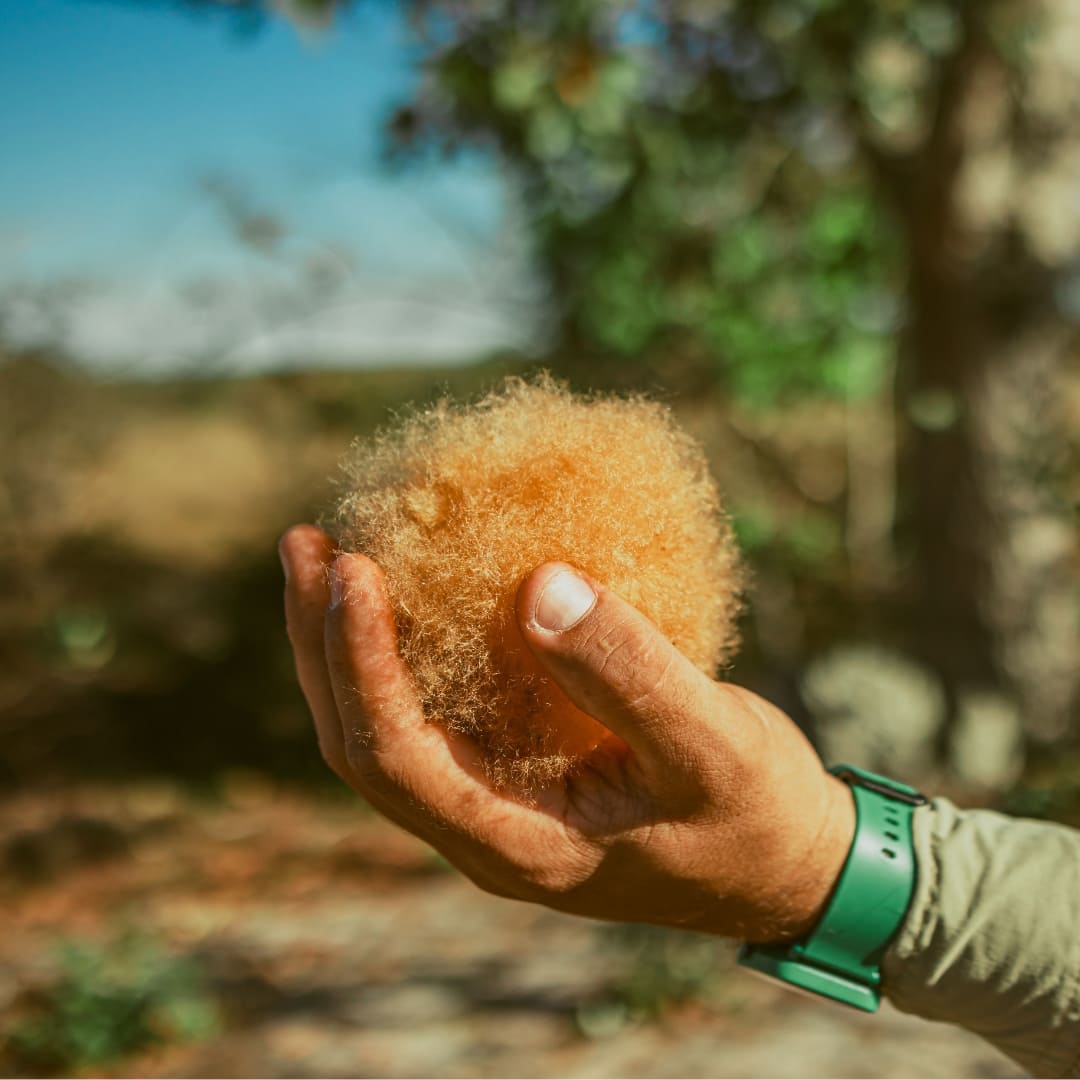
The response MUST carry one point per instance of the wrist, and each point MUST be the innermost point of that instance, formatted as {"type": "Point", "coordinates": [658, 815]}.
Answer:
{"type": "Point", "coordinates": [840, 957]}
{"type": "Point", "coordinates": [808, 888]}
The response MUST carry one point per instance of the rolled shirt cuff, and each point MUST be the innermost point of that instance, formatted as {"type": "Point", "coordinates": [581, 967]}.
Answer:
{"type": "Point", "coordinates": [991, 941]}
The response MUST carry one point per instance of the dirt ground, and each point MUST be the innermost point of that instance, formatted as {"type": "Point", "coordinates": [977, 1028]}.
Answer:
{"type": "Point", "coordinates": [333, 944]}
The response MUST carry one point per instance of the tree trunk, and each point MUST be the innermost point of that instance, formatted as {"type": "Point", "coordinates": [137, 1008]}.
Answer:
{"type": "Point", "coordinates": [984, 532]}
{"type": "Point", "coordinates": [986, 536]}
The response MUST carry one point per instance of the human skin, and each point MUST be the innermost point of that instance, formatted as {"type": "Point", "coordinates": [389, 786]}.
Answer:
{"type": "Point", "coordinates": [705, 809]}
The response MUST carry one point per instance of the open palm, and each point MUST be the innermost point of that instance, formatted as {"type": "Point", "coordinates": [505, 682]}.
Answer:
{"type": "Point", "coordinates": [707, 808]}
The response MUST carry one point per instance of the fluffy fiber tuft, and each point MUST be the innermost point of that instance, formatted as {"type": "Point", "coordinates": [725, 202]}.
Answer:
{"type": "Point", "coordinates": [458, 504]}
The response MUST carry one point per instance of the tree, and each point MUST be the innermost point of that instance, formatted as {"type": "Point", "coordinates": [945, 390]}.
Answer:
{"type": "Point", "coordinates": [795, 190]}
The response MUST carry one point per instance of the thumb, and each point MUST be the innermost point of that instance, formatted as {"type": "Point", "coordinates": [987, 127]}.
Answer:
{"type": "Point", "coordinates": [616, 666]}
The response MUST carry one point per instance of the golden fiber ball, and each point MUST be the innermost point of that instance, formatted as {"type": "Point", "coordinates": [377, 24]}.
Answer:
{"type": "Point", "coordinates": [459, 502]}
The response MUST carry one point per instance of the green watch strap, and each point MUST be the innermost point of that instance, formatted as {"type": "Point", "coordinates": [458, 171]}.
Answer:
{"type": "Point", "coordinates": [841, 957]}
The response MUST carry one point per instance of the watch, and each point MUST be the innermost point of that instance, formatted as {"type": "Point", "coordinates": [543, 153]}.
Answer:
{"type": "Point", "coordinates": [841, 957]}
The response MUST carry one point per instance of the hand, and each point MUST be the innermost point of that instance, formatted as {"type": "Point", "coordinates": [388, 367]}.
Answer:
{"type": "Point", "coordinates": [707, 809]}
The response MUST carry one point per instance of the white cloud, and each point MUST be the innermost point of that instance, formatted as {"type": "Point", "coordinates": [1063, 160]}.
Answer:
{"type": "Point", "coordinates": [360, 269]}
{"type": "Point", "coordinates": [157, 329]}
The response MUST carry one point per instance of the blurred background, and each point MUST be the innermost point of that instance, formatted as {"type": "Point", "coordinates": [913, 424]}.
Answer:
{"type": "Point", "coordinates": [841, 240]}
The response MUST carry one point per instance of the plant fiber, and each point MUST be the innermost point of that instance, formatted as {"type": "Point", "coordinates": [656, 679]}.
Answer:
{"type": "Point", "coordinates": [458, 503]}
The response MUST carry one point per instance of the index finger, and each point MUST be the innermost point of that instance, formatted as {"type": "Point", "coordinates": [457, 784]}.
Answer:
{"type": "Point", "coordinates": [306, 553]}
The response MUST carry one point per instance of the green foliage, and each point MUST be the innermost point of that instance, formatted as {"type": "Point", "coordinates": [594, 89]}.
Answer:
{"type": "Point", "coordinates": [806, 540]}
{"type": "Point", "coordinates": [1050, 790]}
{"type": "Point", "coordinates": [659, 968]}
{"type": "Point", "coordinates": [702, 179]}
{"type": "Point", "coordinates": [110, 1000]}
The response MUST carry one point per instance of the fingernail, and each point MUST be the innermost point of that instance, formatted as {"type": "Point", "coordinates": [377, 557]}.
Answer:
{"type": "Point", "coordinates": [564, 601]}
{"type": "Point", "coordinates": [284, 565]}
{"type": "Point", "coordinates": [336, 590]}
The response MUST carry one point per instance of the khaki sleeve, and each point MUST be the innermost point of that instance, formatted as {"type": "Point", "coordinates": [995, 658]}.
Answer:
{"type": "Point", "coordinates": [992, 939]}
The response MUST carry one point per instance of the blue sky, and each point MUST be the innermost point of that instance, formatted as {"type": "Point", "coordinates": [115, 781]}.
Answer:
{"type": "Point", "coordinates": [115, 113]}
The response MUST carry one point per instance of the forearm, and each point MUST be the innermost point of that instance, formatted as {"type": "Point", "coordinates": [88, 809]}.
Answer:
{"type": "Point", "coordinates": [992, 938]}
